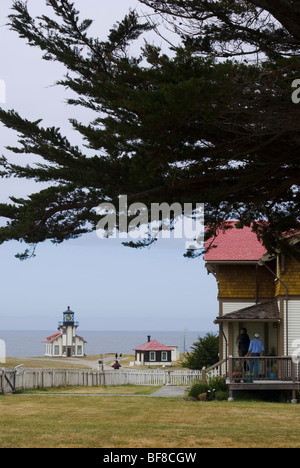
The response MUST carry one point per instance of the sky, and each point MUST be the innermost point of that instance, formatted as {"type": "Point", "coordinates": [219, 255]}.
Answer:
{"type": "Point", "coordinates": [107, 285]}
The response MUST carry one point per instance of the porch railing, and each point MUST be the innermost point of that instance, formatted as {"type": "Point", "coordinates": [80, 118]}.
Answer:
{"type": "Point", "coordinates": [272, 368]}
{"type": "Point", "coordinates": [220, 369]}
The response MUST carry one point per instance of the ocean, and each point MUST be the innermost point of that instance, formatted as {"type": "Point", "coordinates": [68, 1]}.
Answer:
{"type": "Point", "coordinates": [30, 343]}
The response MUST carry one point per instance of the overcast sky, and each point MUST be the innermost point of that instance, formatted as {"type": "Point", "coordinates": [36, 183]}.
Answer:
{"type": "Point", "coordinates": [110, 287]}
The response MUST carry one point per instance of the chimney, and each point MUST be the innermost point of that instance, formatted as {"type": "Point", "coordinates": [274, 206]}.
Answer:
{"type": "Point", "coordinates": [149, 338]}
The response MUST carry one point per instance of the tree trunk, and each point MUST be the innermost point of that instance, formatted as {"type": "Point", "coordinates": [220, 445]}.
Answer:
{"type": "Point", "coordinates": [287, 12]}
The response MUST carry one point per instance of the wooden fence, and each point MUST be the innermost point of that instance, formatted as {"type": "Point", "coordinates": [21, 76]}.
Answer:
{"type": "Point", "coordinates": [47, 378]}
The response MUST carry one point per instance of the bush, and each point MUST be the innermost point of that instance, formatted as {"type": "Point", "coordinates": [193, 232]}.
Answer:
{"type": "Point", "coordinates": [221, 396]}
{"type": "Point", "coordinates": [197, 389]}
{"type": "Point", "coordinates": [205, 352]}
{"type": "Point", "coordinates": [217, 385]}
{"type": "Point", "coordinates": [216, 389]}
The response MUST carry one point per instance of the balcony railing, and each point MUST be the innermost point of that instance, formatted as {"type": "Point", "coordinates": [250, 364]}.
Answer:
{"type": "Point", "coordinates": [62, 324]}
{"type": "Point", "coordinates": [271, 368]}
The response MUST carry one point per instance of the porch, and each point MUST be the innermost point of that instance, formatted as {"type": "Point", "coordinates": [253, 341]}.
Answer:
{"type": "Point", "coordinates": [257, 373]}
{"type": "Point", "coordinates": [263, 373]}
{"type": "Point", "coordinates": [274, 371]}
{"type": "Point", "coordinates": [263, 318]}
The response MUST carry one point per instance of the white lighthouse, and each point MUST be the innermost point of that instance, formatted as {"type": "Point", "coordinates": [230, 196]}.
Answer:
{"type": "Point", "coordinates": [65, 342]}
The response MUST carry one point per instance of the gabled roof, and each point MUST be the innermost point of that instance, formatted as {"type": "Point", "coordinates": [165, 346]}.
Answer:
{"type": "Point", "coordinates": [80, 338]}
{"type": "Point", "coordinates": [263, 312]}
{"type": "Point", "coordinates": [56, 335]}
{"type": "Point", "coordinates": [235, 245]}
{"type": "Point", "coordinates": [153, 345]}
{"type": "Point", "coordinates": [53, 337]}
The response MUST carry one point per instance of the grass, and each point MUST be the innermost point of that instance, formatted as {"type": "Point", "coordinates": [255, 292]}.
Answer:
{"type": "Point", "coordinates": [44, 363]}
{"type": "Point", "coordinates": [68, 421]}
{"type": "Point", "coordinates": [95, 390]}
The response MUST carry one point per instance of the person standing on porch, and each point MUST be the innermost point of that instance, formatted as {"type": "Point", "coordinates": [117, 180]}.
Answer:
{"type": "Point", "coordinates": [243, 342]}
{"type": "Point", "coordinates": [256, 348]}
{"type": "Point", "coordinates": [243, 345]}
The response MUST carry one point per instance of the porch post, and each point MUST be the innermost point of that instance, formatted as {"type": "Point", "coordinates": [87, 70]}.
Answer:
{"type": "Point", "coordinates": [230, 368]}
{"type": "Point", "coordinates": [230, 378]}
{"type": "Point", "coordinates": [266, 337]}
{"type": "Point", "coordinates": [294, 393]}
{"type": "Point", "coordinates": [281, 329]}
{"type": "Point", "coordinates": [230, 339]}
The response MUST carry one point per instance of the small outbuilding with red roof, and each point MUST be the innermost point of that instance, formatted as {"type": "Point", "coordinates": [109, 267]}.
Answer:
{"type": "Point", "coordinates": [154, 353]}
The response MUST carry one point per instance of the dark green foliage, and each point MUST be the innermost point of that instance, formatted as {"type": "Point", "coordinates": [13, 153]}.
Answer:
{"type": "Point", "coordinates": [178, 128]}
{"type": "Point", "coordinates": [221, 396]}
{"type": "Point", "coordinates": [216, 389]}
{"type": "Point", "coordinates": [205, 352]}
{"type": "Point", "coordinates": [229, 28]}
{"type": "Point", "coordinates": [197, 389]}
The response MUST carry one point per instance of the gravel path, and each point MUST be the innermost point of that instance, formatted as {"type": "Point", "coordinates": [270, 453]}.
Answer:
{"type": "Point", "coordinates": [169, 391]}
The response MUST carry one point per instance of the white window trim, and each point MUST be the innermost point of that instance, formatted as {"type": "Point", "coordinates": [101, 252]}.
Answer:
{"type": "Point", "coordinates": [152, 353]}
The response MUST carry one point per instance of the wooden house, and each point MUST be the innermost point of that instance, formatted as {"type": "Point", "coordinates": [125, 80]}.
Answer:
{"type": "Point", "coordinates": [258, 292]}
{"type": "Point", "coordinates": [154, 353]}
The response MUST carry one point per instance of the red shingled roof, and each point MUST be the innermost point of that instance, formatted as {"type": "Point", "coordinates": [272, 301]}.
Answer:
{"type": "Point", "coordinates": [235, 245]}
{"type": "Point", "coordinates": [51, 338]}
{"type": "Point", "coordinates": [153, 345]}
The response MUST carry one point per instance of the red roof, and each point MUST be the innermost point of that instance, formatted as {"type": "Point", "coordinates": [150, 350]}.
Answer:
{"type": "Point", "coordinates": [235, 245]}
{"type": "Point", "coordinates": [153, 345]}
{"type": "Point", "coordinates": [51, 338]}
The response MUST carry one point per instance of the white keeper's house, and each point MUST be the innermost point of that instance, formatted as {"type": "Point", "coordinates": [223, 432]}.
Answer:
{"type": "Point", "coordinates": [65, 342]}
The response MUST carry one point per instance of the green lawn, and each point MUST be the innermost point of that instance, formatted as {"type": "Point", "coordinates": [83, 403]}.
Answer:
{"type": "Point", "coordinates": [95, 390]}
{"type": "Point", "coordinates": [143, 422]}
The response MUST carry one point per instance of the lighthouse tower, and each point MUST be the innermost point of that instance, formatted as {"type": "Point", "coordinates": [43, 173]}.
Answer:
{"type": "Point", "coordinates": [65, 342]}
{"type": "Point", "coordinates": [68, 328]}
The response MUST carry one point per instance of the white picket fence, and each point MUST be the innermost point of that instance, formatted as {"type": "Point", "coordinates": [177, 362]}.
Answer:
{"type": "Point", "coordinates": [44, 378]}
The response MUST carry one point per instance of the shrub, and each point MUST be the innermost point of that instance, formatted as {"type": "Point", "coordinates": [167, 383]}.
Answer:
{"type": "Point", "coordinates": [216, 389]}
{"type": "Point", "coordinates": [205, 352]}
{"type": "Point", "coordinates": [221, 396]}
{"type": "Point", "coordinates": [197, 389]}
{"type": "Point", "coordinates": [216, 385]}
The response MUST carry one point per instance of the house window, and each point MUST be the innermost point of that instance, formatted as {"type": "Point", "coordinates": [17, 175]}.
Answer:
{"type": "Point", "coordinates": [164, 356]}
{"type": "Point", "coordinates": [152, 356]}
{"type": "Point", "coordinates": [64, 350]}
{"type": "Point", "coordinates": [56, 350]}
{"type": "Point", "coordinates": [79, 349]}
